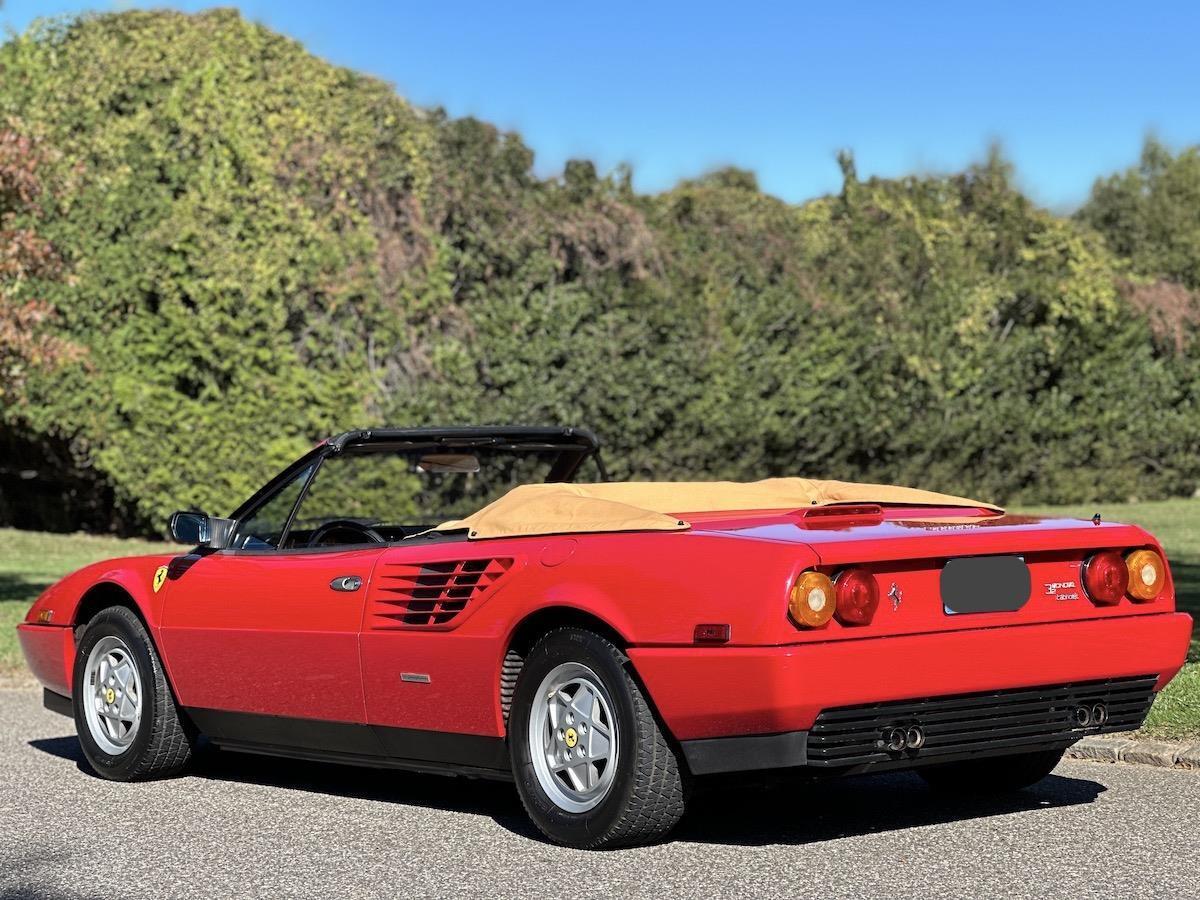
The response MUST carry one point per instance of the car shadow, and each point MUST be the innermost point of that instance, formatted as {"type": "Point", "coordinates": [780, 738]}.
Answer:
{"type": "Point", "coordinates": [64, 748]}
{"type": "Point", "coordinates": [749, 811]}
{"type": "Point", "coordinates": [795, 809]}
{"type": "Point", "coordinates": [495, 799]}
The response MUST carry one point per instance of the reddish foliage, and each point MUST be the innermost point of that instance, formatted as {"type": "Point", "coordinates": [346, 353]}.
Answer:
{"type": "Point", "coordinates": [25, 257]}
{"type": "Point", "coordinates": [1172, 310]}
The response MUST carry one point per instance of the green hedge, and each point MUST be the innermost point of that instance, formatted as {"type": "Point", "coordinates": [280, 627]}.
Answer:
{"type": "Point", "coordinates": [266, 249]}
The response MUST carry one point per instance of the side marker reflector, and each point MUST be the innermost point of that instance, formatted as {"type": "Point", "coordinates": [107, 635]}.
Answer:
{"type": "Point", "coordinates": [712, 634]}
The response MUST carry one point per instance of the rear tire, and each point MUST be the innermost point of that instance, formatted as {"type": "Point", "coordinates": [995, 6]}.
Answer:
{"type": "Point", "coordinates": [995, 775]}
{"type": "Point", "coordinates": [129, 726]}
{"type": "Point", "coordinates": [577, 710]}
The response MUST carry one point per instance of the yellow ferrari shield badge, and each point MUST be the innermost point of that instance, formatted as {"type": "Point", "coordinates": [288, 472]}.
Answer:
{"type": "Point", "coordinates": [160, 576]}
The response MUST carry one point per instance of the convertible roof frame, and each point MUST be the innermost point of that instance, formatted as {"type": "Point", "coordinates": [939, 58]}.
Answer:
{"type": "Point", "coordinates": [469, 435]}
{"type": "Point", "coordinates": [576, 445]}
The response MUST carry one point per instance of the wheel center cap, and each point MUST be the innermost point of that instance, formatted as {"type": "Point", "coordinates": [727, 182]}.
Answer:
{"type": "Point", "coordinates": [571, 737]}
{"type": "Point", "coordinates": [109, 695]}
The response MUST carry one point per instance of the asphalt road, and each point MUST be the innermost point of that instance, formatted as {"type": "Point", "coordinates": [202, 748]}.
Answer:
{"type": "Point", "coordinates": [247, 826]}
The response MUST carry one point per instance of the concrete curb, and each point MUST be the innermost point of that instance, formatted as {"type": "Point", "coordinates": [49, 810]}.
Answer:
{"type": "Point", "coordinates": [1127, 748]}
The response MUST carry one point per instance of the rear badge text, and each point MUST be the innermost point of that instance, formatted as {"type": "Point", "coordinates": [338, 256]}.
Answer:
{"type": "Point", "coordinates": [1062, 590]}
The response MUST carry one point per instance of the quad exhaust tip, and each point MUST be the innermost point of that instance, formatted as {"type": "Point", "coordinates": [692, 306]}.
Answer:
{"type": "Point", "coordinates": [902, 738]}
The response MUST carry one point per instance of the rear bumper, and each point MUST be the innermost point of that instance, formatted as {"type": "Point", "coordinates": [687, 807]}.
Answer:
{"type": "Point", "coordinates": [909, 733]}
{"type": "Point", "coordinates": [714, 692]}
{"type": "Point", "coordinates": [50, 654]}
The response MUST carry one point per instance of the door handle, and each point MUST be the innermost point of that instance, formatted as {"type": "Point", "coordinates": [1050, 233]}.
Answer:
{"type": "Point", "coordinates": [346, 583]}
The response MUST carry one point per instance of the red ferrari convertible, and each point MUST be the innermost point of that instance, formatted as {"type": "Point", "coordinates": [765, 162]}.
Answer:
{"type": "Point", "coordinates": [391, 599]}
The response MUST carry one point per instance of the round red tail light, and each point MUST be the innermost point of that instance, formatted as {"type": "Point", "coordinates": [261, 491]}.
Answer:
{"type": "Point", "coordinates": [857, 596]}
{"type": "Point", "coordinates": [1105, 577]}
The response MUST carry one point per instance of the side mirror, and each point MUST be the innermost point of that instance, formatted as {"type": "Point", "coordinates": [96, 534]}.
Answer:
{"type": "Point", "coordinates": [200, 529]}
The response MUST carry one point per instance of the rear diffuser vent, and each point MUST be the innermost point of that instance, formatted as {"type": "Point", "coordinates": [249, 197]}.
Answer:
{"type": "Point", "coordinates": [434, 593]}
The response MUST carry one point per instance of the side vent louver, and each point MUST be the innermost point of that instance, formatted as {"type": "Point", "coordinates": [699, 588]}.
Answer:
{"type": "Point", "coordinates": [434, 593]}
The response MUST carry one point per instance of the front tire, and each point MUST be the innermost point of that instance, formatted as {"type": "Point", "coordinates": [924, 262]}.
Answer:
{"type": "Point", "coordinates": [995, 775]}
{"type": "Point", "coordinates": [592, 766]}
{"type": "Point", "coordinates": [128, 724]}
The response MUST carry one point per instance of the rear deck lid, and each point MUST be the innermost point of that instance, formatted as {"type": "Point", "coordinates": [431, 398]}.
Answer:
{"type": "Point", "coordinates": [943, 570]}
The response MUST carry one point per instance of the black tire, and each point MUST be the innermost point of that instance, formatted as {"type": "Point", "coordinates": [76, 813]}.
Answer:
{"type": "Point", "coordinates": [994, 775]}
{"type": "Point", "coordinates": [648, 792]}
{"type": "Point", "coordinates": [163, 742]}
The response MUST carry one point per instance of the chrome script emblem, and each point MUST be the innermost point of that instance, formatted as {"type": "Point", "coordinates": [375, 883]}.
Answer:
{"type": "Point", "coordinates": [1061, 590]}
{"type": "Point", "coordinates": [896, 595]}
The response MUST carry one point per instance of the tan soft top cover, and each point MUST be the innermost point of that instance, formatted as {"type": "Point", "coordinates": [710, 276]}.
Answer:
{"type": "Point", "coordinates": [656, 505]}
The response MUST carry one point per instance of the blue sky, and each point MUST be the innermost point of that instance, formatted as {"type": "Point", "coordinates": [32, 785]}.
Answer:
{"type": "Point", "coordinates": [674, 89]}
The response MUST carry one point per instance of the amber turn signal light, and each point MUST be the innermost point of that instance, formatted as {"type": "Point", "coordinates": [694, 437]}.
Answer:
{"type": "Point", "coordinates": [812, 600]}
{"type": "Point", "coordinates": [1147, 575]}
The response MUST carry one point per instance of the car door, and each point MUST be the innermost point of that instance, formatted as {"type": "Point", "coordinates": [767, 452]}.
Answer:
{"type": "Point", "coordinates": [265, 629]}
{"type": "Point", "coordinates": [429, 682]}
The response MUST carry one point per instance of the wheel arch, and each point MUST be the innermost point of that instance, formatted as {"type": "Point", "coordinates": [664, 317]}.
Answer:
{"type": "Point", "coordinates": [534, 625]}
{"type": "Point", "coordinates": [101, 596]}
{"type": "Point", "coordinates": [538, 622]}
{"type": "Point", "coordinates": [526, 632]}
{"type": "Point", "coordinates": [107, 594]}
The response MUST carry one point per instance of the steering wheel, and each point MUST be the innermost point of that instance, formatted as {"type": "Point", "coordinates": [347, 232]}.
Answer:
{"type": "Point", "coordinates": [357, 529]}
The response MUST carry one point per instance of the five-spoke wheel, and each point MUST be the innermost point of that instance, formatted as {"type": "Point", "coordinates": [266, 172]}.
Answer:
{"type": "Point", "coordinates": [573, 737]}
{"type": "Point", "coordinates": [113, 705]}
{"type": "Point", "coordinates": [592, 765]}
{"type": "Point", "coordinates": [128, 724]}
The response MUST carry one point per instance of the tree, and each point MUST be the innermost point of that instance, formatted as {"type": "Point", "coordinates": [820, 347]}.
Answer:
{"type": "Point", "coordinates": [270, 249]}
{"type": "Point", "coordinates": [224, 223]}
{"type": "Point", "coordinates": [1150, 213]}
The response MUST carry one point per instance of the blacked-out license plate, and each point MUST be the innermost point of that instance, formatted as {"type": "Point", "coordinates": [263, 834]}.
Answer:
{"type": "Point", "coordinates": [976, 584]}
